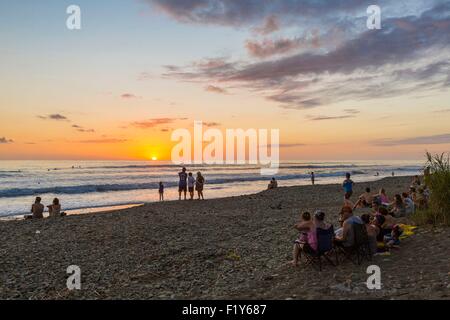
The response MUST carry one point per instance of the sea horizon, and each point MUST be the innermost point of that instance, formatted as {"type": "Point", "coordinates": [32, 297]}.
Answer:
{"type": "Point", "coordinates": [84, 185]}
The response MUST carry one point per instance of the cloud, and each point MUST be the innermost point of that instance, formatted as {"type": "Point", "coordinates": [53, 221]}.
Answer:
{"type": "Point", "coordinates": [409, 54]}
{"type": "Point", "coordinates": [352, 111]}
{"type": "Point", "coordinates": [211, 124]}
{"type": "Point", "coordinates": [268, 48]}
{"type": "Point", "coordinates": [322, 118]}
{"type": "Point", "coordinates": [216, 89]}
{"type": "Point", "coordinates": [271, 24]}
{"type": "Point", "coordinates": [81, 129]}
{"type": "Point", "coordinates": [436, 139]}
{"type": "Point", "coordinates": [4, 140]}
{"type": "Point", "coordinates": [248, 12]}
{"type": "Point", "coordinates": [129, 96]}
{"type": "Point", "coordinates": [144, 76]}
{"type": "Point", "coordinates": [101, 141]}
{"type": "Point", "coordinates": [294, 101]}
{"type": "Point", "coordinates": [291, 145]}
{"type": "Point", "coordinates": [56, 116]}
{"type": "Point", "coordinates": [152, 123]}
{"type": "Point", "coordinates": [442, 111]}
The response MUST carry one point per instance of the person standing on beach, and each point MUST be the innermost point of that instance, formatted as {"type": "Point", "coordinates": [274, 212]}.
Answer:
{"type": "Point", "coordinates": [191, 183]}
{"type": "Point", "coordinates": [348, 186]}
{"type": "Point", "coordinates": [199, 183]}
{"type": "Point", "coordinates": [161, 191]}
{"type": "Point", "coordinates": [182, 185]}
{"type": "Point", "coordinates": [313, 178]}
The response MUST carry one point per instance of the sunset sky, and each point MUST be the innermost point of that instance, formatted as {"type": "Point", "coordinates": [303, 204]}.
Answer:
{"type": "Point", "coordinates": [139, 69]}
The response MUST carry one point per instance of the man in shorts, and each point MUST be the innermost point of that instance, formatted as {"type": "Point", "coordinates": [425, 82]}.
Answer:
{"type": "Point", "coordinates": [182, 185]}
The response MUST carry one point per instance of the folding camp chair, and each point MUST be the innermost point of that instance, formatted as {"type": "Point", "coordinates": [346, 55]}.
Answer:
{"type": "Point", "coordinates": [361, 247]}
{"type": "Point", "coordinates": [325, 249]}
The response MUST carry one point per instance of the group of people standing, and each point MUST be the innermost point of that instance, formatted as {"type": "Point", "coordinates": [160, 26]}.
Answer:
{"type": "Point", "coordinates": [187, 183]}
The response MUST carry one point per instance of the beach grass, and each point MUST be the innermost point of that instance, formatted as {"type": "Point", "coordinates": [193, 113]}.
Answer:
{"type": "Point", "coordinates": [438, 181]}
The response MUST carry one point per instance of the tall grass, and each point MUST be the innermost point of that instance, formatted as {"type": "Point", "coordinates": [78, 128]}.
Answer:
{"type": "Point", "coordinates": [438, 181]}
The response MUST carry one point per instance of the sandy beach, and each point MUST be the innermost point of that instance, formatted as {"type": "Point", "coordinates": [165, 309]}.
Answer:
{"type": "Point", "coordinates": [227, 248]}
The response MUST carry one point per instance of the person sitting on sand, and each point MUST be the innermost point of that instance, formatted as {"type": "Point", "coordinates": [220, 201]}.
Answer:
{"type": "Point", "coordinates": [393, 239]}
{"type": "Point", "coordinates": [348, 185]}
{"type": "Point", "coordinates": [377, 224]}
{"type": "Point", "coordinates": [344, 235]}
{"type": "Point", "coordinates": [191, 183]}
{"type": "Point", "coordinates": [365, 200]}
{"type": "Point", "coordinates": [304, 226]}
{"type": "Point", "coordinates": [383, 197]}
{"type": "Point", "coordinates": [182, 184]}
{"type": "Point", "coordinates": [199, 183]}
{"type": "Point", "coordinates": [398, 207]}
{"type": "Point", "coordinates": [54, 209]}
{"type": "Point", "coordinates": [161, 191]}
{"type": "Point", "coordinates": [273, 184]}
{"type": "Point", "coordinates": [409, 204]}
{"type": "Point", "coordinates": [375, 207]}
{"type": "Point", "coordinates": [347, 201]}
{"type": "Point", "coordinates": [371, 232]}
{"type": "Point", "coordinates": [389, 222]}
{"type": "Point", "coordinates": [37, 210]}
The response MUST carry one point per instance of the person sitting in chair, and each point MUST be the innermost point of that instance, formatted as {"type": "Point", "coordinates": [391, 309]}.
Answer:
{"type": "Point", "coordinates": [371, 233]}
{"type": "Point", "coordinates": [304, 227]}
{"type": "Point", "coordinates": [345, 236]}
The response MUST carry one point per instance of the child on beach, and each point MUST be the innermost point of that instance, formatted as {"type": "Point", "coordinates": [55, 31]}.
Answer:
{"type": "Point", "coordinates": [161, 191]}
{"type": "Point", "coordinates": [348, 185]}
{"type": "Point", "coordinates": [394, 238]}
{"type": "Point", "coordinates": [191, 183]}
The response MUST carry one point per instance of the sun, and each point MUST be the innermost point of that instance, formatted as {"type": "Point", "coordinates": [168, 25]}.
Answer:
{"type": "Point", "coordinates": [154, 158]}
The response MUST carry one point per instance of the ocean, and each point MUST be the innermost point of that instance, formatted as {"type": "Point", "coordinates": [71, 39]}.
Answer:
{"type": "Point", "coordinates": [85, 185]}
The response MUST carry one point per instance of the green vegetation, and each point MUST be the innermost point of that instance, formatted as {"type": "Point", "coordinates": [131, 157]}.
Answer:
{"type": "Point", "coordinates": [438, 181]}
